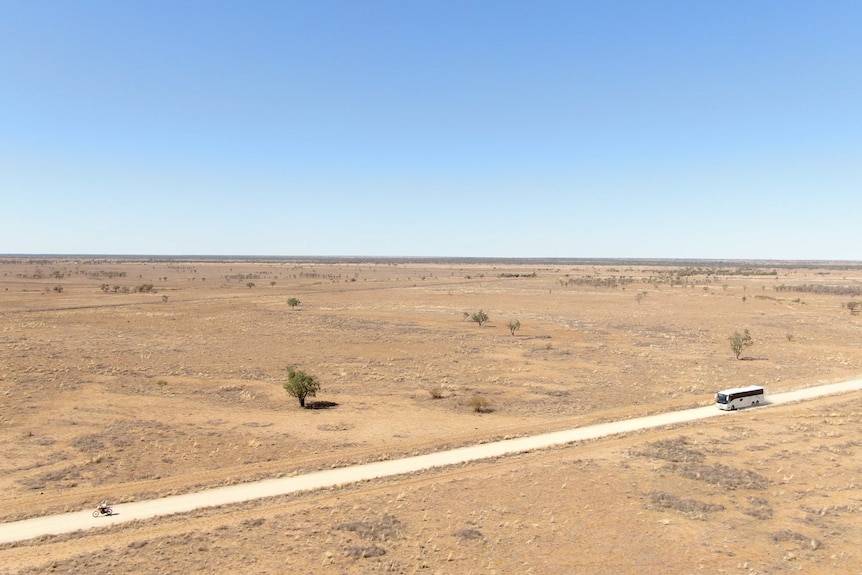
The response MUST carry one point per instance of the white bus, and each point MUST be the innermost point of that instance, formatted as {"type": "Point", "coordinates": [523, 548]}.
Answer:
{"type": "Point", "coordinates": [739, 397]}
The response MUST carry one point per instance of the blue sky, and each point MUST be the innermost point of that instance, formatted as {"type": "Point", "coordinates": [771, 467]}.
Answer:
{"type": "Point", "coordinates": [727, 129]}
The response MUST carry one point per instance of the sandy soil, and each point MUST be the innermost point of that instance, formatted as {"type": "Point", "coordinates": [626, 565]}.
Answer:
{"type": "Point", "coordinates": [114, 390]}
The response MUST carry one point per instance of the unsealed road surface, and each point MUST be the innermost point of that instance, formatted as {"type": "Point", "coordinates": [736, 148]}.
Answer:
{"type": "Point", "coordinates": [83, 520]}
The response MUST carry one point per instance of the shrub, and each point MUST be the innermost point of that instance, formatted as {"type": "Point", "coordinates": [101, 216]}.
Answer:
{"type": "Point", "coordinates": [480, 317]}
{"type": "Point", "coordinates": [479, 404]}
{"type": "Point", "coordinates": [513, 325]}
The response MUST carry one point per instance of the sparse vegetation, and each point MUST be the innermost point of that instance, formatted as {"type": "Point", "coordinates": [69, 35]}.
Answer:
{"type": "Point", "coordinates": [851, 291]}
{"type": "Point", "coordinates": [469, 533]}
{"type": "Point", "coordinates": [739, 342]}
{"type": "Point", "coordinates": [365, 551]}
{"type": "Point", "coordinates": [300, 385]}
{"type": "Point", "coordinates": [480, 317]}
{"type": "Point", "coordinates": [293, 302]}
{"type": "Point", "coordinates": [122, 434]}
{"type": "Point", "coordinates": [759, 509]}
{"type": "Point", "coordinates": [513, 325]}
{"type": "Point", "coordinates": [677, 450]}
{"type": "Point", "coordinates": [786, 535]}
{"type": "Point", "coordinates": [689, 507]}
{"type": "Point", "coordinates": [436, 392]}
{"type": "Point", "coordinates": [722, 475]}
{"type": "Point", "coordinates": [479, 404]}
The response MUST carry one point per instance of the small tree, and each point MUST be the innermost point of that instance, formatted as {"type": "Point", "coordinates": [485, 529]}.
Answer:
{"type": "Point", "coordinates": [740, 341]}
{"type": "Point", "coordinates": [300, 385]}
{"type": "Point", "coordinates": [480, 317]}
{"type": "Point", "coordinates": [513, 325]}
{"type": "Point", "coordinates": [293, 302]}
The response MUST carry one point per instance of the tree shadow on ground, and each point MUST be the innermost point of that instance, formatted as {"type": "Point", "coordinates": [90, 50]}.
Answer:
{"type": "Point", "coordinates": [320, 405]}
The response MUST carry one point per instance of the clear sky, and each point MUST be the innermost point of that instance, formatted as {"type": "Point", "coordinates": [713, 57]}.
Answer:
{"type": "Point", "coordinates": [618, 129]}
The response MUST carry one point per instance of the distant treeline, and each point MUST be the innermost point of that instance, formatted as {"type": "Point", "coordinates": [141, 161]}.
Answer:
{"type": "Point", "coordinates": [821, 289]}
{"type": "Point", "coordinates": [713, 264]}
{"type": "Point", "coordinates": [594, 281]}
{"type": "Point", "coordinates": [709, 271]}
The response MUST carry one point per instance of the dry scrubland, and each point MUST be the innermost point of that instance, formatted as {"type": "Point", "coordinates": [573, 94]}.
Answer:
{"type": "Point", "coordinates": [132, 379]}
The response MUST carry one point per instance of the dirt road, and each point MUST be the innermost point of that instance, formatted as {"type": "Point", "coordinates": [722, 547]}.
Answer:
{"type": "Point", "coordinates": [83, 520]}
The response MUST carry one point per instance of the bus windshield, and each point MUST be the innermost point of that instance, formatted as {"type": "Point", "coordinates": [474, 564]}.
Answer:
{"type": "Point", "coordinates": [721, 398]}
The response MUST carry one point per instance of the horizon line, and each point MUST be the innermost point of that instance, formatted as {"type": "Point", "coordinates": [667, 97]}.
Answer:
{"type": "Point", "coordinates": [439, 259]}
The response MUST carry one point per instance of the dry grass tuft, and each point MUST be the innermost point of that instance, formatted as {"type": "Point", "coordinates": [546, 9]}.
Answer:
{"type": "Point", "coordinates": [677, 450]}
{"type": "Point", "coordinates": [359, 552]}
{"type": "Point", "coordinates": [469, 533]}
{"type": "Point", "coordinates": [722, 475]}
{"type": "Point", "coordinates": [759, 509]}
{"type": "Point", "coordinates": [388, 527]}
{"type": "Point", "coordinates": [787, 535]}
{"type": "Point", "coordinates": [689, 507]}
{"type": "Point", "coordinates": [479, 404]}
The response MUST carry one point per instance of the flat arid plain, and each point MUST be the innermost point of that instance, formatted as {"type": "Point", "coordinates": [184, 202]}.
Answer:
{"type": "Point", "coordinates": [126, 379]}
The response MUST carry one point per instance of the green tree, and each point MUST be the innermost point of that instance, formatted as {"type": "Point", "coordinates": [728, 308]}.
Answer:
{"type": "Point", "coordinates": [513, 325]}
{"type": "Point", "coordinates": [740, 341]}
{"type": "Point", "coordinates": [293, 302]}
{"type": "Point", "coordinates": [300, 385]}
{"type": "Point", "coordinates": [480, 317]}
